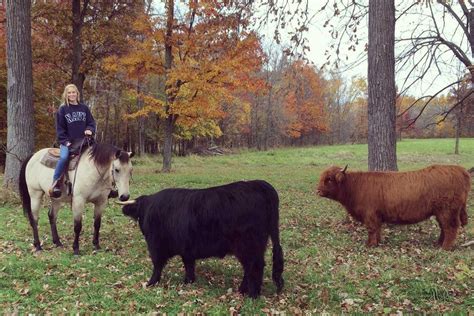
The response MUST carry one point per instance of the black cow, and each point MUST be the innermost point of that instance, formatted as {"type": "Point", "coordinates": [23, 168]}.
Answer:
{"type": "Point", "coordinates": [236, 219]}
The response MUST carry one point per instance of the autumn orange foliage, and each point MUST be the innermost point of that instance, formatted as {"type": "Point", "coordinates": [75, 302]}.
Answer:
{"type": "Point", "coordinates": [304, 100]}
{"type": "Point", "coordinates": [213, 62]}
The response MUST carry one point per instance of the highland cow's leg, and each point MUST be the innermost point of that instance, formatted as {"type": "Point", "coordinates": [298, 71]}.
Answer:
{"type": "Point", "coordinates": [251, 253]}
{"type": "Point", "coordinates": [450, 237]}
{"type": "Point", "coordinates": [158, 264]}
{"type": "Point", "coordinates": [245, 262]}
{"type": "Point", "coordinates": [189, 266]}
{"type": "Point", "coordinates": [255, 276]}
{"type": "Point", "coordinates": [379, 235]}
{"type": "Point", "coordinates": [244, 285]}
{"type": "Point", "coordinates": [373, 223]}
{"type": "Point", "coordinates": [441, 235]}
{"type": "Point", "coordinates": [53, 215]}
{"type": "Point", "coordinates": [451, 226]}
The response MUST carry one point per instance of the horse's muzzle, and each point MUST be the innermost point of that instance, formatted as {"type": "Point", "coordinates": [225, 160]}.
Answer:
{"type": "Point", "coordinates": [124, 197]}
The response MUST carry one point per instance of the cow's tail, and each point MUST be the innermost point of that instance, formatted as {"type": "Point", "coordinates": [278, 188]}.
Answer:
{"type": "Point", "coordinates": [277, 251]}
{"type": "Point", "coordinates": [23, 188]}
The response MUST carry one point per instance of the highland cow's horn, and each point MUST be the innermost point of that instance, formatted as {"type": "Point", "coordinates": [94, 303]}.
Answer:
{"type": "Point", "coordinates": [126, 202]}
{"type": "Point", "coordinates": [344, 170]}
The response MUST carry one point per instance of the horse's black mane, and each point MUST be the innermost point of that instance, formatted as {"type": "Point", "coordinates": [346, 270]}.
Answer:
{"type": "Point", "coordinates": [103, 154]}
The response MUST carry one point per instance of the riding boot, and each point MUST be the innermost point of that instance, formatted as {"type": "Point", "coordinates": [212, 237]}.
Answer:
{"type": "Point", "coordinates": [55, 190]}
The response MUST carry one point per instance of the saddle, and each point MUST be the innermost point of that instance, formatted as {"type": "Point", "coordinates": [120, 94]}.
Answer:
{"type": "Point", "coordinates": [51, 157]}
{"type": "Point", "coordinates": [78, 146]}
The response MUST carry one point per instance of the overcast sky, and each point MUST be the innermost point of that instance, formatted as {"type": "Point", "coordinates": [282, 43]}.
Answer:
{"type": "Point", "coordinates": [319, 40]}
{"type": "Point", "coordinates": [356, 65]}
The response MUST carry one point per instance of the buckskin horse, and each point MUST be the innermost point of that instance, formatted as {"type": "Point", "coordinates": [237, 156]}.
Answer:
{"type": "Point", "coordinates": [99, 168]}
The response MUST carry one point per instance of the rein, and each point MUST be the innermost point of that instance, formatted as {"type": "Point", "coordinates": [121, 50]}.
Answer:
{"type": "Point", "coordinates": [86, 139]}
{"type": "Point", "coordinates": [114, 185]}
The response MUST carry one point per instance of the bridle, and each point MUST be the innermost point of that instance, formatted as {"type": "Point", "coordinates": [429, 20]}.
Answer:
{"type": "Point", "coordinates": [114, 184]}
{"type": "Point", "coordinates": [87, 139]}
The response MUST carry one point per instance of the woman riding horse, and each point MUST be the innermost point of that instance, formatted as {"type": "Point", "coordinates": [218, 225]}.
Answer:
{"type": "Point", "coordinates": [73, 121]}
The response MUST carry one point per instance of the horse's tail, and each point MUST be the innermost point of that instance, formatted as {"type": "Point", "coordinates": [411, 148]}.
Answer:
{"type": "Point", "coordinates": [23, 187]}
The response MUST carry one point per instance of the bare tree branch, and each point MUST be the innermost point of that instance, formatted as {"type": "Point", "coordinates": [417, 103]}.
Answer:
{"type": "Point", "coordinates": [430, 98]}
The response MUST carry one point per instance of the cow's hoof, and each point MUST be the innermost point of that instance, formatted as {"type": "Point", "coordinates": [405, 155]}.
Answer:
{"type": "Point", "coordinates": [447, 248]}
{"type": "Point", "coordinates": [243, 289]}
{"type": "Point", "coordinates": [253, 294]}
{"type": "Point", "coordinates": [189, 280]}
{"type": "Point", "coordinates": [279, 285]}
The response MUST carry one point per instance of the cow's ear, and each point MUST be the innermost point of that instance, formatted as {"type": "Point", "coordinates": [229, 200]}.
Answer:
{"type": "Point", "coordinates": [131, 154]}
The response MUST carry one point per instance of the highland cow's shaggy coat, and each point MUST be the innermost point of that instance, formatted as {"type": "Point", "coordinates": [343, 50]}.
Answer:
{"type": "Point", "coordinates": [236, 218]}
{"type": "Point", "coordinates": [410, 197]}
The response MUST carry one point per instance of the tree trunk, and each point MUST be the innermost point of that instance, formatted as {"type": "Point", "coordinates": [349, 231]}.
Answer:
{"type": "Point", "coordinates": [105, 137]}
{"type": "Point", "coordinates": [381, 80]}
{"type": "Point", "coordinates": [141, 120]}
{"type": "Point", "coordinates": [77, 76]}
{"type": "Point", "coordinates": [471, 30]}
{"type": "Point", "coordinates": [169, 121]}
{"type": "Point", "coordinates": [458, 128]}
{"type": "Point", "coordinates": [20, 112]}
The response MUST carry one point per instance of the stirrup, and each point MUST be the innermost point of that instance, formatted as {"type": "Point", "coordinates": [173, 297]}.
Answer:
{"type": "Point", "coordinates": [55, 190]}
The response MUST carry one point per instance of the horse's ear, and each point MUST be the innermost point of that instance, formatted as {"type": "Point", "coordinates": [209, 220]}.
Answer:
{"type": "Point", "coordinates": [118, 153]}
{"type": "Point", "coordinates": [131, 154]}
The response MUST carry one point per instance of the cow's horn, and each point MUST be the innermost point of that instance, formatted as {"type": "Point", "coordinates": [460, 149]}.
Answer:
{"type": "Point", "coordinates": [126, 202]}
{"type": "Point", "coordinates": [344, 170]}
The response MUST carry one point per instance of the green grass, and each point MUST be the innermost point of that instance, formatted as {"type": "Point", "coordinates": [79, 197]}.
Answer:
{"type": "Point", "coordinates": [327, 266]}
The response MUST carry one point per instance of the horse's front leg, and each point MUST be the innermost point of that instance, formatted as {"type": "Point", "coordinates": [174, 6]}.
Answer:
{"type": "Point", "coordinates": [98, 209]}
{"type": "Point", "coordinates": [53, 216]}
{"type": "Point", "coordinates": [77, 210]}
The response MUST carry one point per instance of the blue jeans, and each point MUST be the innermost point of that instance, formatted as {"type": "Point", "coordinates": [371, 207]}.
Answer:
{"type": "Point", "coordinates": [63, 156]}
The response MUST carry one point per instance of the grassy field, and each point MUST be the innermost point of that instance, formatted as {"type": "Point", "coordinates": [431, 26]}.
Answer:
{"type": "Point", "coordinates": [327, 266]}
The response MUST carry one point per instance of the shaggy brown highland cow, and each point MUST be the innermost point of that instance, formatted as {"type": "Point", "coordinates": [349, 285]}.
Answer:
{"type": "Point", "coordinates": [410, 197]}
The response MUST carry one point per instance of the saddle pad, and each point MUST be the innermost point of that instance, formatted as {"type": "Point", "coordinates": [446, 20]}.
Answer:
{"type": "Point", "coordinates": [50, 159]}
